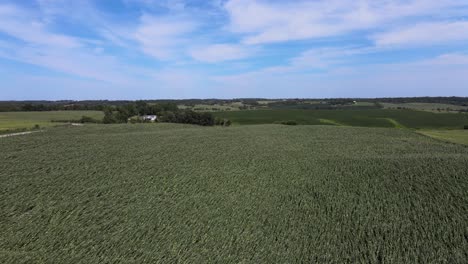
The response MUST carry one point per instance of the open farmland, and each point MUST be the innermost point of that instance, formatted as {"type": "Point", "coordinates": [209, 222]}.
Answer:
{"type": "Point", "coordinates": [455, 136]}
{"type": "Point", "coordinates": [210, 108]}
{"type": "Point", "coordinates": [251, 194]}
{"type": "Point", "coordinates": [434, 107]}
{"type": "Point", "coordinates": [27, 120]}
{"type": "Point", "coordinates": [364, 118]}
{"type": "Point", "coordinates": [232, 106]}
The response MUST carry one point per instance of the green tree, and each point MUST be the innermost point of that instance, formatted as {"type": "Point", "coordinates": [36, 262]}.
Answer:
{"type": "Point", "coordinates": [109, 117]}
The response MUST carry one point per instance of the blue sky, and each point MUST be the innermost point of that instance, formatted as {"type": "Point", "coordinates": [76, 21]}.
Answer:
{"type": "Point", "coordinates": [150, 49]}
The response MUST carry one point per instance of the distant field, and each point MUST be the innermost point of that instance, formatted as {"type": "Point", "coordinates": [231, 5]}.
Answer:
{"type": "Point", "coordinates": [317, 105]}
{"type": "Point", "coordinates": [365, 118]}
{"type": "Point", "coordinates": [209, 108]}
{"type": "Point", "coordinates": [265, 102]}
{"type": "Point", "coordinates": [27, 120]}
{"type": "Point", "coordinates": [426, 106]}
{"type": "Point", "coordinates": [455, 136]}
{"type": "Point", "coordinates": [364, 104]}
{"type": "Point", "coordinates": [233, 106]}
{"type": "Point", "coordinates": [162, 193]}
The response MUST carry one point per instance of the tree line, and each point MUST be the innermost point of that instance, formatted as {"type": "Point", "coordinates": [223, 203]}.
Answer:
{"type": "Point", "coordinates": [166, 112]}
{"type": "Point", "coordinates": [100, 105]}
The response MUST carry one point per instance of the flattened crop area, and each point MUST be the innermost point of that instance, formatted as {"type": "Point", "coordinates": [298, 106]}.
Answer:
{"type": "Point", "coordinates": [252, 194]}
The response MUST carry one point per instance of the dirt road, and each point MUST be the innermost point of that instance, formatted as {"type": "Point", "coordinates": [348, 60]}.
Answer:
{"type": "Point", "coordinates": [18, 134]}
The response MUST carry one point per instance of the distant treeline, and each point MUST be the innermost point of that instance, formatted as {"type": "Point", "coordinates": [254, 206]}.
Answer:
{"type": "Point", "coordinates": [332, 103]}
{"type": "Point", "coordinates": [100, 105]}
{"type": "Point", "coordinates": [462, 101]}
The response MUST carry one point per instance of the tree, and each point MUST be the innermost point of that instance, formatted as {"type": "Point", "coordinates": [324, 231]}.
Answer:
{"type": "Point", "coordinates": [168, 117]}
{"type": "Point", "coordinates": [109, 117]}
{"type": "Point", "coordinates": [188, 117]}
{"type": "Point", "coordinates": [87, 119]}
{"type": "Point", "coordinates": [141, 107]}
{"type": "Point", "coordinates": [169, 107]}
{"type": "Point", "coordinates": [222, 122]}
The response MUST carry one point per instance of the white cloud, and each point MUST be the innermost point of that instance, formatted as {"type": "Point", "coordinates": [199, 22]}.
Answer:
{"type": "Point", "coordinates": [317, 60]}
{"type": "Point", "coordinates": [454, 59]}
{"type": "Point", "coordinates": [89, 17]}
{"type": "Point", "coordinates": [442, 75]}
{"type": "Point", "coordinates": [161, 37]}
{"type": "Point", "coordinates": [265, 22]}
{"type": "Point", "coordinates": [173, 31]}
{"type": "Point", "coordinates": [17, 24]}
{"type": "Point", "coordinates": [61, 53]}
{"type": "Point", "coordinates": [173, 5]}
{"type": "Point", "coordinates": [220, 52]}
{"type": "Point", "coordinates": [321, 58]}
{"type": "Point", "coordinates": [425, 34]}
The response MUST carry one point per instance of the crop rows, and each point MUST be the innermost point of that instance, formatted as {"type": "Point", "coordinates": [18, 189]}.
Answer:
{"type": "Point", "coordinates": [252, 194]}
{"type": "Point", "coordinates": [364, 118]}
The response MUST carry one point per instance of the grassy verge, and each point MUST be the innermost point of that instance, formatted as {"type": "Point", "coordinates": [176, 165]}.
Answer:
{"type": "Point", "coordinates": [329, 122]}
{"type": "Point", "coordinates": [10, 131]}
{"type": "Point", "coordinates": [455, 136]}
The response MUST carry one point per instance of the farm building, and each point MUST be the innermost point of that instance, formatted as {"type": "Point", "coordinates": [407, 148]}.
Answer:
{"type": "Point", "coordinates": [150, 118]}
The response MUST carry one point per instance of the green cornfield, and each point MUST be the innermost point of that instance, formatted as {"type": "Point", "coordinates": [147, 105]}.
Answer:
{"type": "Point", "coordinates": [244, 194]}
{"type": "Point", "coordinates": [364, 118]}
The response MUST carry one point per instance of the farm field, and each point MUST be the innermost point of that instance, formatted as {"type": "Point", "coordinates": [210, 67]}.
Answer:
{"type": "Point", "coordinates": [27, 120]}
{"type": "Point", "coordinates": [243, 194]}
{"type": "Point", "coordinates": [365, 118]}
{"type": "Point", "coordinates": [234, 106]}
{"type": "Point", "coordinates": [209, 108]}
{"type": "Point", "coordinates": [455, 136]}
{"type": "Point", "coordinates": [433, 107]}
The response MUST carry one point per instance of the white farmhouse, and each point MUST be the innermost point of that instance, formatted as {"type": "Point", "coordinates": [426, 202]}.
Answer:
{"type": "Point", "coordinates": [151, 118]}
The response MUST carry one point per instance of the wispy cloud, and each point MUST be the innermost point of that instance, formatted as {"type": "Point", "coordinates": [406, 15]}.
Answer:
{"type": "Point", "coordinates": [236, 48]}
{"type": "Point", "coordinates": [88, 17]}
{"type": "Point", "coordinates": [161, 37]}
{"type": "Point", "coordinates": [417, 78]}
{"type": "Point", "coordinates": [174, 5]}
{"type": "Point", "coordinates": [221, 52]}
{"type": "Point", "coordinates": [16, 23]}
{"type": "Point", "coordinates": [58, 52]}
{"type": "Point", "coordinates": [266, 22]}
{"type": "Point", "coordinates": [424, 34]}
